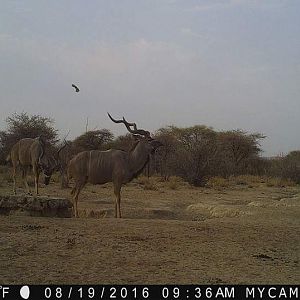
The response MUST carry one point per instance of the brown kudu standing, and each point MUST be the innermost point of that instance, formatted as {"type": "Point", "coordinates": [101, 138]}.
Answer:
{"type": "Point", "coordinates": [27, 153]}
{"type": "Point", "coordinates": [116, 166]}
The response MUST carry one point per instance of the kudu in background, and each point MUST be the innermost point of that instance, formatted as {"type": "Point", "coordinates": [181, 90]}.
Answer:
{"type": "Point", "coordinates": [64, 156]}
{"type": "Point", "coordinates": [117, 166]}
{"type": "Point", "coordinates": [33, 153]}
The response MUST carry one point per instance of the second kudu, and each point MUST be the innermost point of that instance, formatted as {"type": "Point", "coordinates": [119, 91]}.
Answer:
{"type": "Point", "coordinates": [117, 166]}
{"type": "Point", "coordinates": [27, 153]}
{"type": "Point", "coordinates": [64, 156]}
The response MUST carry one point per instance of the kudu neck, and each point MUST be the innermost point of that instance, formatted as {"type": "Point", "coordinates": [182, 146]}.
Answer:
{"type": "Point", "coordinates": [138, 157]}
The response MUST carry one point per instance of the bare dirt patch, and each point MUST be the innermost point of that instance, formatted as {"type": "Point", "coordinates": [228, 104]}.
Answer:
{"type": "Point", "coordinates": [167, 236]}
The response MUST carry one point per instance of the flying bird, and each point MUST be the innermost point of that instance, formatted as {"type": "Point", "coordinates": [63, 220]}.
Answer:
{"type": "Point", "coordinates": [75, 87]}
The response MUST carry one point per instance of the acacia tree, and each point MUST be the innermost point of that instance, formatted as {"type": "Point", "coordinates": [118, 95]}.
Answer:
{"type": "Point", "coordinates": [165, 160]}
{"type": "Point", "coordinates": [123, 142]}
{"type": "Point", "coordinates": [239, 149]}
{"type": "Point", "coordinates": [93, 140]}
{"type": "Point", "coordinates": [290, 166]}
{"type": "Point", "coordinates": [24, 125]}
{"type": "Point", "coordinates": [197, 152]}
{"type": "Point", "coordinates": [188, 152]}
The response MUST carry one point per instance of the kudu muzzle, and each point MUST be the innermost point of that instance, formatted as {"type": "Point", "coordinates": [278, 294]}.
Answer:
{"type": "Point", "coordinates": [48, 173]}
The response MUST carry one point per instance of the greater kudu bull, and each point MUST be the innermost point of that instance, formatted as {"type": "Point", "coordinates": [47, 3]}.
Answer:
{"type": "Point", "coordinates": [28, 153]}
{"type": "Point", "coordinates": [117, 166]}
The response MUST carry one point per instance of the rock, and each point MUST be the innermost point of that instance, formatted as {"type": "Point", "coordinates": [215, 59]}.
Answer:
{"type": "Point", "coordinates": [40, 206]}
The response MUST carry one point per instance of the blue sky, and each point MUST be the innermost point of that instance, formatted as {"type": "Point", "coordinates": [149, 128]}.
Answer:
{"type": "Point", "coordinates": [229, 64]}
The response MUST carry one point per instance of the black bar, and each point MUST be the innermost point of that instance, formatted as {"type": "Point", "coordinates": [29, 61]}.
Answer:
{"type": "Point", "coordinates": [149, 292]}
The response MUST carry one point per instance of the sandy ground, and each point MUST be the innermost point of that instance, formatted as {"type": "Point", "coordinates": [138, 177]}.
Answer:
{"type": "Point", "coordinates": [239, 235]}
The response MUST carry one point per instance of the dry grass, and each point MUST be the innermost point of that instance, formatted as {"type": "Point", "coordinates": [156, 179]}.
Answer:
{"type": "Point", "coordinates": [279, 182]}
{"type": "Point", "coordinates": [175, 183]}
{"type": "Point", "coordinates": [55, 178]}
{"type": "Point", "coordinates": [159, 183]}
{"type": "Point", "coordinates": [4, 169]}
{"type": "Point", "coordinates": [247, 179]}
{"type": "Point", "coordinates": [176, 234]}
{"type": "Point", "coordinates": [250, 181]}
{"type": "Point", "coordinates": [218, 182]}
{"type": "Point", "coordinates": [5, 175]}
{"type": "Point", "coordinates": [141, 180]}
{"type": "Point", "coordinates": [150, 184]}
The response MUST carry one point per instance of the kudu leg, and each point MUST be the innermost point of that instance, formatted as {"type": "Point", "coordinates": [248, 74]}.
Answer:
{"type": "Point", "coordinates": [24, 177]}
{"type": "Point", "coordinates": [14, 174]}
{"type": "Point", "coordinates": [75, 201]}
{"type": "Point", "coordinates": [78, 187]}
{"type": "Point", "coordinates": [36, 179]}
{"type": "Point", "coordinates": [117, 191]}
{"type": "Point", "coordinates": [37, 183]}
{"type": "Point", "coordinates": [64, 183]}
